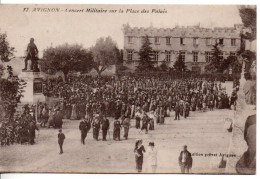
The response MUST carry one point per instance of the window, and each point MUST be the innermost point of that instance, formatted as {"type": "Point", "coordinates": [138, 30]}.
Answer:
{"type": "Point", "coordinates": [182, 41]}
{"type": "Point", "coordinates": [195, 56]}
{"type": "Point", "coordinates": [221, 41]}
{"type": "Point", "coordinates": [168, 56]}
{"type": "Point", "coordinates": [156, 40]}
{"type": "Point", "coordinates": [182, 55]}
{"type": "Point", "coordinates": [130, 39]}
{"type": "Point", "coordinates": [208, 56]}
{"type": "Point", "coordinates": [130, 55]}
{"type": "Point", "coordinates": [208, 41]}
{"type": "Point", "coordinates": [156, 56]}
{"type": "Point", "coordinates": [233, 54]}
{"type": "Point", "coordinates": [168, 40]}
{"type": "Point", "coordinates": [195, 42]}
{"type": "Point", "coordinates": [221, 56]}
{"type": "Point", "coordinates": [233, 42]}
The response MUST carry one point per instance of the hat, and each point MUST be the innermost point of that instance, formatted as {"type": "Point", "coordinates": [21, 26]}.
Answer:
{"type": "Point", "coordinates": [151, 143]}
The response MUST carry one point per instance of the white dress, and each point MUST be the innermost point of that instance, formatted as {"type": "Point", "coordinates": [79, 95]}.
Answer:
{"type": "Point", "coordinates": [151, 159]}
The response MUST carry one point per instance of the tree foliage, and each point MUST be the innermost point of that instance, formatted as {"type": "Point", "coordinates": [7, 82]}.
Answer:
{"type": "Point", "coordinates": [11, 90]}
{"type": "Point", "coordinates": [105, 54]}
{"type": "Point", "coordinates": [215, 64]}
{"type": "Point", "coordinates": [66, 58]}
{"type": "Point", "coordinates": [164, 67]}
{"type": "Point", "coordinates": [231, 62]}
{"type": "Point", "coordinates": [6, 51]}
{"type": "Point", "coordinates": [179, 65]}
{"type": "Point", "coordinates": [146, 56]}
{"type": "Point", "coordinates": [248, 16]}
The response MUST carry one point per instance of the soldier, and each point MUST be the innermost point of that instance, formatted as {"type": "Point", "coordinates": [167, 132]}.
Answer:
{"type": "Point", "coordinates": [177, 111]}
{"type": "Point", "coordinates": [61, 138]}
{"type": "Point", "coordinates": [32, 128]}
{"type": "Point", "coordinates": [84, 127]}
{"type": "Point", "coordinates": [126, 125]}
{"type": "Point", "coordinates": [105, 128]}
{"type": "Point", "coordinates": [161, 115]}
{"type": "Point", "coordinates": [96, 127]}
{"type": "Point", "coordinates": [145, 122]}
{"type": "Point", "coordinates": [137, 118]}
{"type": "Point", "coordinates": [117, 127]}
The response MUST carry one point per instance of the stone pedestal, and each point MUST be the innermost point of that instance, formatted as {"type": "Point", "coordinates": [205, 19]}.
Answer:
{"type": "Point", "coordinates": [33, 92]}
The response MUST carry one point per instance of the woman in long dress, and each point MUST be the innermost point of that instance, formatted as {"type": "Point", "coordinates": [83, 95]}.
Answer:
{"type": "Point", "coordinates": [139, 156]}
{"type": "Point", "coordinates": [151, 158]}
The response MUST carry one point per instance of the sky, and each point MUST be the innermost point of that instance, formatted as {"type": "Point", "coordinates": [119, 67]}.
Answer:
{"type": "Point", "coordinates": [55, 28]}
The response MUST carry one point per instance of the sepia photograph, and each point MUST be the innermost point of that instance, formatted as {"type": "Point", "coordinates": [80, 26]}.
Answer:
{"type": "Point", "coordinates": [128, 88]}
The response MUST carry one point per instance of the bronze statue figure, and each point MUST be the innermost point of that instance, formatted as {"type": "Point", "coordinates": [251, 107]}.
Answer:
{"type": "Point", "coordinates": [32, 52]}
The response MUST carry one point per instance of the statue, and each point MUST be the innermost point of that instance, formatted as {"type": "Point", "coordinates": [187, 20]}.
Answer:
{"type": "Point", "coordinates": [32, 53]}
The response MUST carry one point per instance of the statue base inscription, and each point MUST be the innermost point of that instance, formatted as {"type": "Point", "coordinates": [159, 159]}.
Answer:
{"type": "Point", "coordinates": [33, 92]}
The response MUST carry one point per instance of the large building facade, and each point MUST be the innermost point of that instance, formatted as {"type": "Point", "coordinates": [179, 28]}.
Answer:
{"type": "Point", "coordinates": [193, 43]}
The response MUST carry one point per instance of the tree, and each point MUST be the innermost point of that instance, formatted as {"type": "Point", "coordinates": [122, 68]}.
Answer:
{"type": "Point", "coordinates": [66, 58]}
{"type": "Point", "coordinates": [120, 54]}
{"type": "Point", "coordinates": [179, 64]}
{"type": "Point", "coordinates": [146, 56]}
{"type": "Point", "coordinates": [231, 62]}
{"type": "Point", "coordinates": [11, 90]}
{"type": "Point", "coordinates": [248, 16]}
{"type": "Point", "coordinates": [164, 67]}
{"type": "Point", "coordinates": [6, 51]}
{"type": "Point", "coordinates": [215, 64]}
{"type": "Point", "coordinates": [105, 54]}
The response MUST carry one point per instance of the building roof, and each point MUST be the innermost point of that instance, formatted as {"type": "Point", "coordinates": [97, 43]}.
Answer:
{"type": "Point", "coordinates": [190, 31]}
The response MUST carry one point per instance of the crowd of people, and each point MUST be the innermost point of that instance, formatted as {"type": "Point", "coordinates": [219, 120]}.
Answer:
{"type": "Point", "coordinates": [128, 96]}
{"type": "Point", "coordinates": [147, 100]}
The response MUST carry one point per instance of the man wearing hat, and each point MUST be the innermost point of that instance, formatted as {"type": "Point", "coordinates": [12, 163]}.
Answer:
{"type": "Point", "coordinates": [84, 127]}
{"type": "Point", "coordinates": [61, 138]}
{"type": "Point", "coordinates": [117, 127]}
{"type": "Point", "coordinates": [105, 128]}
{"type": "Point", "coordinates": [126, 125]}
{"type": "Point", "coordinates": [137, 118]}
{"type": "Point", "coordinates": [32, 128]}
{"type": "Point", "coordinates": [145, 122]}
{"type": "Point", "coordinates": [185, 160]}
{"type": "Point", "coordinates": [96, 127]}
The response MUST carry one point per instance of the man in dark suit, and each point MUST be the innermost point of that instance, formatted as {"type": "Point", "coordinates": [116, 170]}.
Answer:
{"type": "Point", "coordinates": [32, 128]}
{"type": "Point", "coordinates": [117, 127]}
{"type": "Point", "coordinates": [177, 111]}
{"type": "Point", "coordinates": [105, 128]}
{"type": "Point", "coordinates": [61, 138]}
{"type": "Point", "coordinates": [84, 128]}
{"type": "Point", "coordinates": [126, 125]}
{"type": "Point", "coordinates": [185, 160]}
{"type": "Point", "coordinates": [145, 121]}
